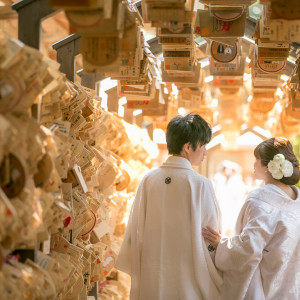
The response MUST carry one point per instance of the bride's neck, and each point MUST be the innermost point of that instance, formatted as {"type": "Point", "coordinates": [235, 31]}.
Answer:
{"type": "Point", "coordinates": [284, 187]}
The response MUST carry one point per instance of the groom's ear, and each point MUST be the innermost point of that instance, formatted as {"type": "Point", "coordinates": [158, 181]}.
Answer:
{"type": "Point", "coordinates": [186, 148]}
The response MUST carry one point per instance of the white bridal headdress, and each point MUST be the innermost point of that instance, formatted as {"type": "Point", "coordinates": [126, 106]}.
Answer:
{"type": "Point", "coordinates": [280, 167]}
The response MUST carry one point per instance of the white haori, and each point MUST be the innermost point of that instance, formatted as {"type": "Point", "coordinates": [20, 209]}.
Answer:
{"type": "Point", "coordinates": [163, 248]}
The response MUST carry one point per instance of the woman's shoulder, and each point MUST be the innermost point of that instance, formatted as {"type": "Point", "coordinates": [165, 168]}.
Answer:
{"type": "Point", "coordinates": [255, 194]}
{"type": "Point", "coordinates": [257, 202]}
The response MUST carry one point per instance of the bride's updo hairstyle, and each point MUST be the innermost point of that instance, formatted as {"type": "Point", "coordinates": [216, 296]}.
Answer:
{"type": "Point", "coordinates": [266, 151]}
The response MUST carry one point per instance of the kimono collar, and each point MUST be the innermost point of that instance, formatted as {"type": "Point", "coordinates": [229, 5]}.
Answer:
{"type": "Point", "coordinates": [177, 162]}
{"type": "Point", "coordinates": [279, 199]}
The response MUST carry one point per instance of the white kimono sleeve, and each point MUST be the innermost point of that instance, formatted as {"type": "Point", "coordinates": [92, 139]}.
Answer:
{"type": "Point", "coordinates": [205, 211]}
{"type": "Point", "coordinates": [239, 257]}
{"type": "Point", "coordinates": [129, 258]}
{"type": "Point", "coordinates": [211, 214]}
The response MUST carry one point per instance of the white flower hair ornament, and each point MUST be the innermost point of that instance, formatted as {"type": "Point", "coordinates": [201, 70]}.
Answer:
{"type": "Point", "coordinates": [280, 167]}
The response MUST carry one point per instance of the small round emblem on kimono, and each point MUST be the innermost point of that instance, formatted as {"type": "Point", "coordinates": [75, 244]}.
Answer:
{"type": "Point", "coordinates": [168, 180]}
{"type": "Point", "coordinates": [210, 248]}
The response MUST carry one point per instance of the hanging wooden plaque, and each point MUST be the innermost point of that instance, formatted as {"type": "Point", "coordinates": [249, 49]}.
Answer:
{"type": "Point", "coordinates": [223, 53]}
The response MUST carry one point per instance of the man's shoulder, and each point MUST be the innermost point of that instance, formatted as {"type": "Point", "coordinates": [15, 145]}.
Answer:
{"type": "Point", "coordinates": [201, 178]}
{"type": "Point", "coordinates": [150, 173]}
{"type": "Point", "coordinates": [198, 180]}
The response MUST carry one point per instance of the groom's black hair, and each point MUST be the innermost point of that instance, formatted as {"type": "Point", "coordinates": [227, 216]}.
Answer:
{"type": "Point", "coordinates": [191, 129]}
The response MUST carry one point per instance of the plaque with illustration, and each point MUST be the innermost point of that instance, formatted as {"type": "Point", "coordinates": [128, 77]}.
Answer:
{"type": "Point", "coordinates": [223, 53]}
{"type": "Point", "coordinates": [271, 66]}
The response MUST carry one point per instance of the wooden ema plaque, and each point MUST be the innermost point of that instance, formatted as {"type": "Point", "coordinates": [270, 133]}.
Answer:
{"type": "Point", "coordinates": [209, 26]}
{"type": "Point", "coordinates": [145, 104]}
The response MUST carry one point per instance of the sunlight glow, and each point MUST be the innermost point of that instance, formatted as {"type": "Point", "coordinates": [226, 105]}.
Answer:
{"type": "Point", "coordinates": [219, 139]}
{"type": "Point", "coordinates": [181, 111]}
{"type": "Point", "coordinates": [159, 136]}
{"type": "Point", "coordinates": [105, 85]}
{"type": "Point", "coordinates": [208, 78]}
{"type": "Point", "coordinates": [248, 139]}
{"type": "Point", "coordinates": [214, 102]}
{"type": "Point", "coordinates": [137, 112]}
{"type": "Point", "coordinates": [122, 101]}
{"type": "Point", "coordinates": [262, 131]}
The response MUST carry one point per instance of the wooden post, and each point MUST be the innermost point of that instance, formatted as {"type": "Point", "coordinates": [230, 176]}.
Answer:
{"type": "Point", "coordinates": [112, 99]}
{"type": "Point", "coordinates": [149, 127]}
{"type": "Point", "coordinates": [155, 46]}
{"type": "Point", "coordinates": [31, 13]}
{"type": "Point", "coordinates": [128, 114]}
{"type": "Point", "coordinates": [94, 291]}
{"type": "Point", "coordinates": [90, 80]}
{"type": "Point", "coordinates": [139, 119]}
{"type": "Point", "coordinates": [66, 50]}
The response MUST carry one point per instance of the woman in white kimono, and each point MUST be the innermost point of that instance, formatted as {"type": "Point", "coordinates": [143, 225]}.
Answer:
{"type": "Point", "coordinates": [263, 260]}
{"type": "Point", "coordinates": [163, 250]}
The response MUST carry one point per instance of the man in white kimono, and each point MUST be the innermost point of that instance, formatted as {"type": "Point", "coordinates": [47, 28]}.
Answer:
{"type": "Point", "coordinates": [163, 249]}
